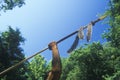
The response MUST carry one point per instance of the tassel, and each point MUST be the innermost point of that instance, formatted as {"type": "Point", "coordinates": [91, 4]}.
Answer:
{"type": "Point", "coordinates": [89, 32]}
{"type": "Point", "coordinates": [81, 33]}
{"type": "Point", "coordinates": [74, 45]}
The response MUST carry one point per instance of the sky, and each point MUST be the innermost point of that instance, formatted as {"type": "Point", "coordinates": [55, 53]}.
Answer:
{"type": "Point", "coordinates": [44, 21]}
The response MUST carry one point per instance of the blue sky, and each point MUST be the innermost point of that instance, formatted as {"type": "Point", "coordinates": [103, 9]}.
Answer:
{"type": "Point", "coordinates": [43, 21]}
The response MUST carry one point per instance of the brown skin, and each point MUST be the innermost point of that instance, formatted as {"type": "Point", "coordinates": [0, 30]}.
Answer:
{"type": "Point", "coordinates": [55, 73]}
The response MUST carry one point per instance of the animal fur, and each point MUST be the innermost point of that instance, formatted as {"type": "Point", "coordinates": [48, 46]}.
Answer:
{"type": "Point", "coordinates": [74, 45]}
{"type": "Point", "coordinates": [89, 32]}
{"type": "Point", "coordinates": [81, 33]}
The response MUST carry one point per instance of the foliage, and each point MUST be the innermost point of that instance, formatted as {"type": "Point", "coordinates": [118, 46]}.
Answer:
{"type": "Point", "coordinates": [38, 68]}
{"type": "Point", "coordinates": [10, 4]}
{"type": "Point", "coordinates": [113, 34]}
{"type": "Point", "coordinates": [66, 66]}
{"type": "Point", "coordinates": [89, 63]}
{"type": "Point", "coordinates": [11, 53]}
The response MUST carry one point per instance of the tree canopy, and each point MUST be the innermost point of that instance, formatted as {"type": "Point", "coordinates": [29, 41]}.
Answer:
{"type": "Point", "coordinates": [10, 4]}
{"type": "Point", "coordinates": [11, 53]}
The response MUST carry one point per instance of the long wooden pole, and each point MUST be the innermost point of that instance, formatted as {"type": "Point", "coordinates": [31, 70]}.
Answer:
{"type": "Point", "coordinates": [64, 38]}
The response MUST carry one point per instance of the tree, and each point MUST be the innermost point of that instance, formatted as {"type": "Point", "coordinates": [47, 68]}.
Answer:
{"type": "Point", "coordinates": [11, 53]}
{"type": "Point", "coordinates": [66, 66]}
{"type": "Point", "coordinates": [91, 62]}
{"type": "Point", "coordinates": [113, 36]}
{"type": "Point", "coordinates": [37, 68]}
{"type": "Point", "coordinates": [10, 4]}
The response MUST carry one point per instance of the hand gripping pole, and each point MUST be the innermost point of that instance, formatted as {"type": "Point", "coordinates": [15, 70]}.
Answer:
{"type": "Point", "coordinates": [56, 71]}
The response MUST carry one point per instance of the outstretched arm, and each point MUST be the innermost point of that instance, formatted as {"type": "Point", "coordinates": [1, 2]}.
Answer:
{"type": "Point", "coordinates": [55, 73]}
